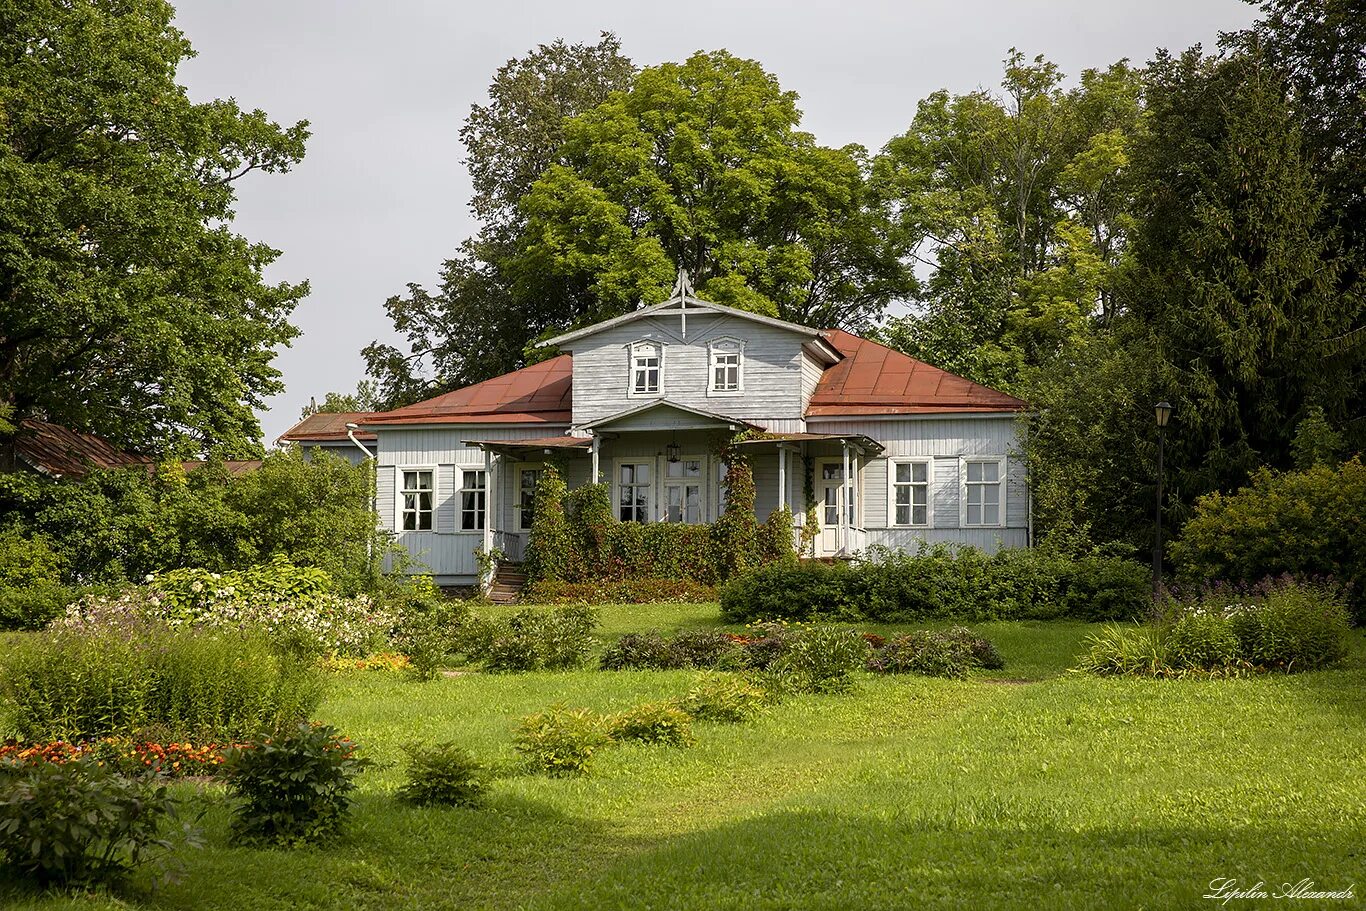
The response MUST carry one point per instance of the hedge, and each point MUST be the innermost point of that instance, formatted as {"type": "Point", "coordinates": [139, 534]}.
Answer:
{"type": "Point", "coordinates": [943, 583]}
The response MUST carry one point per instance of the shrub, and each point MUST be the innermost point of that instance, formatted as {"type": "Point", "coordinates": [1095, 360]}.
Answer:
{"type": "Point", "coordinates": [287, 603]}
{"type": "Point", "coordinates": [1306, 523]}
{"type": "Point", "coordinates": [429, 631]}
{"type": "Point", "coordinates": [619, 591]}
{"type": "Point", "coordinates": [27, 562]}
{"type": "Point", "coordinates": [79, 823]}
{"type": "Point", "coordinates": [654, 722]}
{"type": "Point", "coordinates": [1199, 640]}
{"type": "Point", "coordinates": [941, 583]}
{"type": "Point", "coordinates": [71, 686]}
{"type": "Point", "coordinates": [562, 741]}
{"type": "Point", "coordinates": [935, 653]}
{"type": "Point", "coordinates": [821, 660]}
{"type": "Point", "coordinates": [1293, 626]}
{"type": "Point", "coordinates": [539, 639]}
{"type": "Point", "coordinates": [725, 698]}
{"type": "Point", "coordinates": [442, 775]}
{"type": "Point", "coordinates": [639, 651]}
{"type": "Point", "coordinates": [294, 787]}
{"type": "Point", "coordinates": [34, 607]}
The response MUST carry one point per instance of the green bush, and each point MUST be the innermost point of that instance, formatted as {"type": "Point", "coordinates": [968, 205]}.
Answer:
{"type": "Point", "coordinates": [725, 698]}
{"type": "Point", "coordinates": [27, 562]}
{"type": "Point", "coordinates": [1309, 523]}
{"type": "Point", "coordinates": [293, 787]}
{"type": "Point", "coordinates": [430, 631]}
{"type": "Point", "coordinates": [442, 775]}
{"type": "Point", "coordinates": [935, 653]}
{"type": "Point", "coordinates": [941, 583]}
{"type": "Point", "coordinates": [821, 659]}
{"type": "Point", "coordinates": [562, 741]}
{"type": "Point", "coordinates": [538, 639]}
{"type": "Point", "coordinates": [65, 685]}
{"type": "Point", "coordinates": [1125, 651]}
{"type": "Point", "coordinates": [653, 722]}
{"type": "Point", "coordinates": [35, 606]}
{"type": "Point", "coordinates": [648, 651]}
{"type": "Point", "coordinates": [1200, 641]}
{"type": "Point", "coordinates": [79, 823]}
{"type": "Point", "coordinates": [1293, 627]}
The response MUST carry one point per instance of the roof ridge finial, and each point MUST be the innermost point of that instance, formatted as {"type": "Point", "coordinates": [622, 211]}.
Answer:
{"type": "Point", "coordinates": [683, 286]}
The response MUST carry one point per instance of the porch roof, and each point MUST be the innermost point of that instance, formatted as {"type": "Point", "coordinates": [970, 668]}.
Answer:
{"type": "Point", "coordinates": [543, 444]}
{"type": "Point", "coordinates": [694, 418]}
{"type": "Point", "coordinates": [865, 443]}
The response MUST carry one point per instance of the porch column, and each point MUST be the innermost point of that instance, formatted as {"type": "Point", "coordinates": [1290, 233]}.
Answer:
{"type": "Point", "coordinates": [782, 476]}
{"type": "Point", "coordinates": [593, 471]}
{"type": "Point", "coordinates": [488, 502]}
{"type": "Point", "coordinates": [844, 494]}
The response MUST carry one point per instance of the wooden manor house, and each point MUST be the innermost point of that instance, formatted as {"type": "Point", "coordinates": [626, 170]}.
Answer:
{"type": "Point", "coordinates": [893, 451]}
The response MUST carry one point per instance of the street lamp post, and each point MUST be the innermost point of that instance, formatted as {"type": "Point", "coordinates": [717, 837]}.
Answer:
{"type": "Point", "coordinates": [1164, 413]}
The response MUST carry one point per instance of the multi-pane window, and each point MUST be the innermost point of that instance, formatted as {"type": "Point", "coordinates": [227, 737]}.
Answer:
{"type": "Point", "coordinates": [417, 498]}
{"type": "Point", "coordinates": [473, 500]}
{"type": "Point", "coordinates": [526, 496]}
{"type": "Point", "coordinates": [982, 489]}
{"type": "Point", "coordinates": [725, 366]}
{"type": "Point", "coordinates": [911, 493]}
{"type": "Point", "coordinates": [683, 491]}
{"type": "Point", "coordinates": [832, 482]}
{"type": "Point", "coordinates": [645, 368]}
{"type": "Point", "coordinates": [633, 491]}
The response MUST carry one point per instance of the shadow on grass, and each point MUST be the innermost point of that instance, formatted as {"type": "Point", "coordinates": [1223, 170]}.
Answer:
{"type": "Point", "coordinates": [975, 858]}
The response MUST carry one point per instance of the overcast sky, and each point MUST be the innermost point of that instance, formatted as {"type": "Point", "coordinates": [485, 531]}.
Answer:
{"type": "Point", "coordinates": [381, 198]}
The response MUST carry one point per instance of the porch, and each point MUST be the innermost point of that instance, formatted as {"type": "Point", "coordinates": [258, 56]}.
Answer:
{"type": "Point", "coordinates": [674, 473]}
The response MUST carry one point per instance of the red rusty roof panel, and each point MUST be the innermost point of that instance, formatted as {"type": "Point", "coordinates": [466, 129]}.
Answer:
{"type": "Point", "coordinates": [875, 379]}
{"type": "Point", "coordinates": [323, 427]}
{"type": "Point", "coordinates": [539, 393]}
{"type": "Point", "coordinates": [66, 453]}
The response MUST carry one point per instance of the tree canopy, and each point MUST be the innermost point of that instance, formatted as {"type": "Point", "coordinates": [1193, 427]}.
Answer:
{"type": "Point", "coordinates": [127, 305]}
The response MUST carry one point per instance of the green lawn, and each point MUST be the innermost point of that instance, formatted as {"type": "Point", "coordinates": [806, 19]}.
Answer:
{"type": "Point", "coordinates": [1029, 788]}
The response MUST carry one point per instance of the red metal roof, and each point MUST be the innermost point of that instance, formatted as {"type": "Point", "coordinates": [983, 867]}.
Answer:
{"type": "Point", "coordinates": [323, 427]}
{"type": "Point", "coordinates": [66, 453]}
{"type": "Point", "coordinates": [874, 379]}
{"type": "Point", "coordinates": [533, 395]}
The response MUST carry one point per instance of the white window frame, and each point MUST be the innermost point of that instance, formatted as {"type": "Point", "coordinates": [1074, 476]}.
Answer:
{"type": "Point", "coordinates": [517, 494]}
{"type": "Point", "coordinates": [892, 485]}
{"type": "Point", "coordinates": [481, 514]}
{"type": "Point", "coordinates": [650, 505]}
{"type": "Point", "coordinates": [739, 353]}
{"type": "Point", "coordinates": [665, 481]}
{"type": "Point", "coordinates": [856, 484]}
{"type": "Point", "coordinates": [1004, 480]}
{"type": "Point", "coordinates": [631, 368]}
{"type": "Point", "coordinates": [401, 489]}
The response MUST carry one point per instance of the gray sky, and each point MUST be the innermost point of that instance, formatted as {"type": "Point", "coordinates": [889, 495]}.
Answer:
{"type": "Point", "coordinates": [381, 198]}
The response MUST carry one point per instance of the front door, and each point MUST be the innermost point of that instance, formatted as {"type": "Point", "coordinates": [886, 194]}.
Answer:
{"type": "Point", "coordinates": [683, 491]}
{"type": "Point", "coordinates": [830, 488]}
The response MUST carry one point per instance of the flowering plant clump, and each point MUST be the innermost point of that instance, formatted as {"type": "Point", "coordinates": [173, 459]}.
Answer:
{"type": "Point", "coordinates": [290, 604]}
{"type": "Point", "coordinates": [173, 760]}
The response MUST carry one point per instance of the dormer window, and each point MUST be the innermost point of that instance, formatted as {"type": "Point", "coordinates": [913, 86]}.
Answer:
{"type": "Point", "coordinates": [647, 360]}
{"type": "Point", "coordinates": [727, 366]}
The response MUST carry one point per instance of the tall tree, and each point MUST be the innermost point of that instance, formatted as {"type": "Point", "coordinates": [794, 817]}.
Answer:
{"type": "Point", "coordinates": [473, 326]}
{"type": "Point", "coordinates": [127, 305]}
{"type": "Point", "coordinates": [1018, 204]}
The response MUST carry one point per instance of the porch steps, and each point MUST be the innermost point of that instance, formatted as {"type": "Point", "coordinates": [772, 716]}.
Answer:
{"type": "Point", "coordinates": [508, 580]}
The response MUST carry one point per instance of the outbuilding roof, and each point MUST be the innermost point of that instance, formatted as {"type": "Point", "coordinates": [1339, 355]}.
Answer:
{"type": "Point", "coordinates": [65, 453]}
{"type": "Point", "coordinates": [538, 394]}
{"type": "Point", "coordinates": [325, 427]}
{"type": "Point", "coordinates": [874, 379]}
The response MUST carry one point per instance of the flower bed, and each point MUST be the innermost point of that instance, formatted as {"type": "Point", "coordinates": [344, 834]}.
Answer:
{"type": "Point", "coordinates": [129, 756]}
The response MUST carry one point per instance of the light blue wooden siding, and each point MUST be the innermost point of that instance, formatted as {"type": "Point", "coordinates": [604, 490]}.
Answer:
{"type": "Point", "coordinates": [772, 368]}
{"type": "Point", "coordinates": [944, 441]}
{"type": "Point", "coordinates": [446, 552]}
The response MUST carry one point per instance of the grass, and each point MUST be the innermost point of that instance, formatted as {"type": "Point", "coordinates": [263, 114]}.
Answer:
{"type": "Point", "coordinates": [1065, 791]}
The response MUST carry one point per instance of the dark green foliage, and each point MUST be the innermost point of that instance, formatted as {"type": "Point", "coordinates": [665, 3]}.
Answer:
{"type": "Point", "coordinates": [442, 775]}
{"type": "Point", "coordinates": [71, 686]}
{"type": "Point", "coordinates": [562, 741]}
{"type": "Point", "coordinates": [935, 653]}
{"type": "Point", "coordinates": [432, 629]}
{"type": "Point", "coordinates": [942, 584]}
{"type": "Point", "coordinates": [639, 651]}
{"type": "Point", "coordinates": [1201, 640]}
{"type": "Point", "coordinates": [660, 723]}
{"type": "Point", "coordinates": [293, 787]}
{"type": "Point", "coordinates": [35, 606]}
{"type": "Point", "coordinates": [1293, 627]}
{"type": "Point", "coordinates": [1306, 523]}
{"type": "Point", "coordinates": [79, 822]}
{"type": "Point", "coordinates": [128, 306]}
{"type": "Point", "coordinates": [821, 659]}
{"type": "Point", "coordinates": [120, 525]}
{"type": "Point", "coordinates": [536, 639]}
{"type": "Point", "coordinates": [689, 649]}
{"type": "Point", "coordinates": [725, 698]}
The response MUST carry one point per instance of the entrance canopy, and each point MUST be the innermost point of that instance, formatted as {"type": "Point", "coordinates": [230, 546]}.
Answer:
{"type": "Point", "coordinates": [521, 449]}
{"type": "Point", "coordinates": [662, 414]}
{"type": "Point", "coordinates": [865, 445]}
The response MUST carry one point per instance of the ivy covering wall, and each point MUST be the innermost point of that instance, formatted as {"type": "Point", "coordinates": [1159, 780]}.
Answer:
{"type": "Point", "coordinates": [576, 538]}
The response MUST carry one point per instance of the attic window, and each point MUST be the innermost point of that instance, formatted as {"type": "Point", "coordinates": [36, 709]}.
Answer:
{"type": "Point", "coordinates": [646, 367]}
{"type": "Point", "coordinates": [727, 362]}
